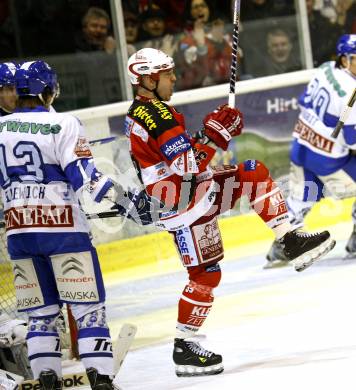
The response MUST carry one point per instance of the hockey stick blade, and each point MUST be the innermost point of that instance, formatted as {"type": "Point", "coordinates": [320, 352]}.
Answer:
{"type": "Point", "coordinates": [123, 344]}
{"type": "Point", "coordinates": [344, 115]}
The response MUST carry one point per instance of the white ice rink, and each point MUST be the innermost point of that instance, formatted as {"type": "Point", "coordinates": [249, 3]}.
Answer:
{"type": "Point", "coordinates": [276, 329]}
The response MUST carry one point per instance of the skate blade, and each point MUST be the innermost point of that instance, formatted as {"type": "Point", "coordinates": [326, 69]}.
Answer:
{"type": "Point", "coordinates": [350, 256]}
{"type": "Point", "coordinates": [199, 371]}
{"type": "Point", "coordinates": [276, 264]}
{"type": "Point", "coordinates": [307, 259]}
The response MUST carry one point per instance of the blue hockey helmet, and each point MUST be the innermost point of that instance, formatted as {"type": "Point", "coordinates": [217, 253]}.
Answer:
{"type": "Point", "coordinates": [33, 77]}
{"type": "Point", "coordinates": [346, 45]}
{"type": "Point", "coordinates": [7, 74]}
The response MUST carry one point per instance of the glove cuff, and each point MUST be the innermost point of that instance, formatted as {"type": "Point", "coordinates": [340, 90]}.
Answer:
{"type": "Point", "coordinates": [217, 139]}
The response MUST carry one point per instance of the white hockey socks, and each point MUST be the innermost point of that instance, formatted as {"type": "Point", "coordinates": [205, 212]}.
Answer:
{"type": "Point", "coordinates": [94, 341]}
{"type": "Point", "coordinates": [43, 343]}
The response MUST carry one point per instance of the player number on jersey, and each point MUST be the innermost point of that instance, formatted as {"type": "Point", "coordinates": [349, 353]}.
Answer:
{"type": "Point", "coordinates": [32, 166]}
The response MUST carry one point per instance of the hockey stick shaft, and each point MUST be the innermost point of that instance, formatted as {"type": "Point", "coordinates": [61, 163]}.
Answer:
{"type": "Point", "coordinates": [344, 115]}
{"type": "Point", "coordinates": [102, 215]}
{"type": "Point", "coordinates": [102, 141]}
{"type": "Point", "coordinates": [234, 54]}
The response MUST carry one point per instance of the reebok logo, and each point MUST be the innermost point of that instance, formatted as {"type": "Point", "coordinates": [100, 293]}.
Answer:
{"type": "Point", "coordinates": [75, 380]}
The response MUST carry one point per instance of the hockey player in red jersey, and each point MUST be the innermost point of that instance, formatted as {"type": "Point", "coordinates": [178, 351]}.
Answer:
{"type": "Point", "coordinates": [175, 169]}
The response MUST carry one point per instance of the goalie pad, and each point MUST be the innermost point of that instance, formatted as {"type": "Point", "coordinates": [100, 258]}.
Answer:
{"type": "Point", "coordinates": [9, 380]}
{"type": "Point", "coordinates": [14, 359]}
{"type": "Point", "coordinates": [12, 331]}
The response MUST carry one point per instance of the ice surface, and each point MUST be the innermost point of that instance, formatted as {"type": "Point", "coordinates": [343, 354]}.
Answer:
{"type": "Point", "coordinates": [276, 329]}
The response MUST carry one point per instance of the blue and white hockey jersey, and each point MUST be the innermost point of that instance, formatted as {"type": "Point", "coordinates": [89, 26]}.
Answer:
{"type": "Point", "coordinates": [45, 163]}
{"type": "Point", "coordinates": [321, 105]}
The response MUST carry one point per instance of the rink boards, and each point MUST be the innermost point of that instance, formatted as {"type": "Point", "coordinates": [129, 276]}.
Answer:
{"type": "Point", "coordinates": [157, 250]}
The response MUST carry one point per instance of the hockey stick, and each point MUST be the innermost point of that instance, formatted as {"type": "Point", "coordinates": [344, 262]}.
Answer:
{"type": "Point", "coordinates": [123, 344]}
{"type": "Point", "coordinates": [102, 141]}
{"type": "Point", "coordinates": [344, 115]}
{"type": "Point", "coordinates": [103, 214]}
{"type": "Point", "coordinates": [234, 54]}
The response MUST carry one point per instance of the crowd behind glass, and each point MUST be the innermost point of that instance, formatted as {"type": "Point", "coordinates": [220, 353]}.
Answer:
{"type": "Point", "coordinates": [76, 37]}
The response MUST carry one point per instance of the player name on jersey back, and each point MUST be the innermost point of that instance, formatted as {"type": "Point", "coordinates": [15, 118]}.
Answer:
{"type": "Point", "coordinates": [32, 206]}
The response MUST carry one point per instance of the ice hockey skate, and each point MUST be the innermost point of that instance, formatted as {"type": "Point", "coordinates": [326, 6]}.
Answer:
{"type": "Point", "coordinates": [191, 359]}
{"type": "Point", "coordinates": [49, 381]}
{"type": "Point", "coordinates": [98, 381]}
{"type": "Point", "coordinates": [276, 257]}
{"type": "Point", "coordinates": [351, 246]}
{"type": "Point", "coordinates": [303, 249]}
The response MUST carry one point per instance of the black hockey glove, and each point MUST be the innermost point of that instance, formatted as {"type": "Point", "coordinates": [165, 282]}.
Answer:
{"type": "Point", "coordinates": [139, 207]}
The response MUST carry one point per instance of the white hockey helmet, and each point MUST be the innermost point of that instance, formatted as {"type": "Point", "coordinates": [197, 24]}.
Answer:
{"type": "Point", "coordinates": [148, 61]}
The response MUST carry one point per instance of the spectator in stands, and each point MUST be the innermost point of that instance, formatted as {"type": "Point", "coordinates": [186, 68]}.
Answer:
{"type": "Point", "coordinates": [334, 10]}
{"type": "Point", "coordinates": [154, 33]}
{"type": "Point", "coordinates": [339, 12]}
{"type": "Point", "coordinates": [219, 52]}
{"type": "Point", "coordinates": [277, 57]}
{"type": "Point", "coordinates": [192, 58]}
{"type": "Point", "coordinates": [95, 32]}
{"type": "Point", "coordinates": [131, 31]}
{"type": "Point", "coordinates": [281, 58]}
{"type": "Point", "coordinates": [346, 15]}
{"type": "Point", "coordinates": [205, 48]}
{"type": "Point", "coordinates": [153, 23]}
{"type": "Point", "coordinates": [174, 11]}
{"type": "Point", "coordinates": [323, 34]}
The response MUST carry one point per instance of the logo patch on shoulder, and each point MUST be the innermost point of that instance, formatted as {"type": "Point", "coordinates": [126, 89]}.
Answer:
{"type": "Point", "coordinates": [250, 165]}
{"type": "Point", "coordinates": [175, 146]}
{"type": "Point", "coordinates": [82, 148]}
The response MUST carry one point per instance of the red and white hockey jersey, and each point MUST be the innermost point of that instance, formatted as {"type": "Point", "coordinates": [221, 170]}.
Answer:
{"type": "Point", "coordinates": [170, 163]}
